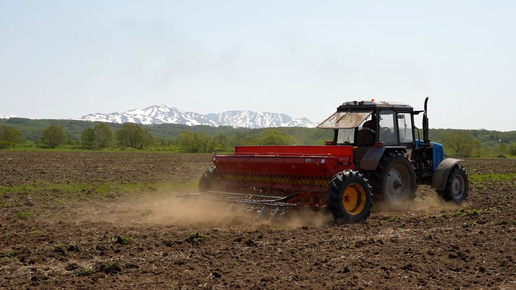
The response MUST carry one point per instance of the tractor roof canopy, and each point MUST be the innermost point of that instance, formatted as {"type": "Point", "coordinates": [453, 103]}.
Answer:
{"type": "Point", "coordinates": [372, 105]}
{"type": "Point", "coordinates": [342, 120]}
{"type": "Point", "coordinates": [352, 114]}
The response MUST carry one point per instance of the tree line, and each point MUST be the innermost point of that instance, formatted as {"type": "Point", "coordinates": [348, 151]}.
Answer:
{"type": "Point", "coordinates": [98, 137]}
{"type": "Point", "coordinates": [132, 135]}
{"type": "Point", "coordinates": [202, 139]}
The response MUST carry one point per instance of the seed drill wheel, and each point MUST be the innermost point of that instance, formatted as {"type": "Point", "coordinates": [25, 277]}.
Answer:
{"type": "Point", "coordinates": [349, 197]}
{"type": "Point", "coordinates": [456, 186]}
{"type": "Point", "coordinates": [394, 181]}
{"type": "Point", "coordinates": [210, 180]}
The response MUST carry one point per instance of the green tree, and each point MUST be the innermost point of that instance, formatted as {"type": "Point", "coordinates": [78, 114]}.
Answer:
{"type": "Point", "coordinates": [53, 136]}
{"type": "Point", "coordinates": [251, 139]}
{"type": "Point", "coordinates": [223, 142]}
{"type": "Point", "coordinates": [238, 139]}
{"type": "Point", "coordinates": [102, 135]}
{"type": "Point", "coordinates": [461, 143]}
{"type": "Point", "coordinates": [134, 136]}
{"type": "Point", "coordinates": [512, 149]}
{"type": "Point", "coordinates": [275, 137]}
{"type": "Point", "coordinates": [88, 138]}
{"type": "Point", "coordinates": [99, 137]}
{"type": "Point", "coordinates": [502, 150]}
{"type": "Point", "coordinates": [10, 135]}
{"type": "Point", "coordinates": [148, 139]}
{"type": "Point", "coordinates": [213, 145]}
{"type": "Point", "coordinates": [185, 141]}
{"type": "Point", "coordinates": [197, 142]}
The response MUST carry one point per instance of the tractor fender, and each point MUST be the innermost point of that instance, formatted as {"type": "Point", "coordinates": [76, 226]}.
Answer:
{"type": "Point", "coordinates": [442, 172]}
{"type": "Point", "coordinates": [373, 155]}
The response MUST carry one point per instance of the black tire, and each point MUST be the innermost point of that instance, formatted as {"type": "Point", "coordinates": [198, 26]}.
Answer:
{"type": "Point", "coordinates": [349, 197]}
{"type": "Point", "coordinates": [209, 180]}
{"type": "Point", "coordinates": [457, 185]}
{"type": "Point", "coordinates": [394, 181]}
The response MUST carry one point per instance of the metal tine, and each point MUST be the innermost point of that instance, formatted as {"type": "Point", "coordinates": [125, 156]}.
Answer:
{"type": "Point", "coordinates": [260, 211]}
{"type": "Point", "coordinates": [250, 209]}
{"type": "Point", "coordinates": [273, 213]}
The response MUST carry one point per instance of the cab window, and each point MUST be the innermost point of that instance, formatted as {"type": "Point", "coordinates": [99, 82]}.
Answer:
{"type": "Point", "coordinates": [346, 136]}
{"type": "Point", "coordinates": [405, 128]}
{"type": "Point", "coordinates": [387, 128]}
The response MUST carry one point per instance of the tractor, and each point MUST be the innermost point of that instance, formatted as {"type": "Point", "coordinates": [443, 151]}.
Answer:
{"type": "Point", "coordinates": [376, 155]}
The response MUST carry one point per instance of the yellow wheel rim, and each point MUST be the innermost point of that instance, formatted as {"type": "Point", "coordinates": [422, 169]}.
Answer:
{"type": "Point", "coordinates": [354, 199]}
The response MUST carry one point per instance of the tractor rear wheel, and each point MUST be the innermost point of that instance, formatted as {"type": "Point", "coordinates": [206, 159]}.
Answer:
{"type": "Point", "coordinates": [456, 186]}
{"type": "Point", "coordinates": [349, 197]}
{"type": "Point", "coordinates": [394, 181]}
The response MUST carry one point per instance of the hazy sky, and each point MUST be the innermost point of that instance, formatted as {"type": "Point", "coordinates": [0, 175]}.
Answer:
{"type": "Point", "coordinates": [65, 59]}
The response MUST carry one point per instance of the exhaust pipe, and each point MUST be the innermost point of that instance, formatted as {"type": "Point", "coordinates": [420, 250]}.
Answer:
{"type": "Point", "coordinates": [426, 139]}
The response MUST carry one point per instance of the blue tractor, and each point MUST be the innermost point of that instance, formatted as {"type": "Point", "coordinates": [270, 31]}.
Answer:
{"type": "Point", "coordinates": [390, 153]}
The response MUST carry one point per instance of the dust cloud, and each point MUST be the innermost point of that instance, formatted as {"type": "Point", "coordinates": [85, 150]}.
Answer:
{"type": "Point", "coordinates": [432, 204]}
{"type": "Point", "coordinates": [194, 211]}
{"type": "Point", "coordinates": [188, 211]}
{"type": "Point", "coordinates": [426, 200]}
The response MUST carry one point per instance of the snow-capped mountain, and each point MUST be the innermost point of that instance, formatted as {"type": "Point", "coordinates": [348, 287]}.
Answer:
{"type": "Point", "coordinates": [250, 119]}
{"type": "Point", "coordinates": [151, 115]}
{"type": "Point", "coordinates": [169, 115]}
{"type": "Point", "coordinates": [7, 116]}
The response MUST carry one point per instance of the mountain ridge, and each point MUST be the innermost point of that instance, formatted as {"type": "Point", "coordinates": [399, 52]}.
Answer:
{"type": "Point", "coordinates": [164, 114]}
{"type": "Point", "coordinates": [4, 116]}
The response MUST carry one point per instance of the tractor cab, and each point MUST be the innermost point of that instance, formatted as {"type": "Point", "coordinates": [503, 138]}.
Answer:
{"type": "Point", "coordinates": [373, 128]}
{"type": "Point", "coordinates": [370, 123]}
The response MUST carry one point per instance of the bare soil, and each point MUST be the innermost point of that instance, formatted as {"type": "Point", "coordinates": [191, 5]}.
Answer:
{"type": "Point", "coordinates": [156, 239]}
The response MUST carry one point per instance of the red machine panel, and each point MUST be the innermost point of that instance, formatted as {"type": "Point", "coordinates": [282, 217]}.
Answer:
{"type": "Point", "coordinates": [294, 168]}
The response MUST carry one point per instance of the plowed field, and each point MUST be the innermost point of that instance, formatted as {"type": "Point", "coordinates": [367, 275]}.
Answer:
{"type": "Point", "coordinates": [75, 220]}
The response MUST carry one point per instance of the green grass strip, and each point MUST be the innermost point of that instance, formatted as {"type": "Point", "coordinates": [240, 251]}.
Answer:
{"type": "Point", "coordinates": [486, 178]}
{"type": "Point", "coordinates": [52, 194]}
{"type": "Point", "coordinates": [97, 188]}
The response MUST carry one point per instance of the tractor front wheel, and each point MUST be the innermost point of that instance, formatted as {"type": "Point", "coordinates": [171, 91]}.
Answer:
{"type": "Point", "coordinates": [349, 197]}
{"type": "Point", "coordinates": [456, 186]}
